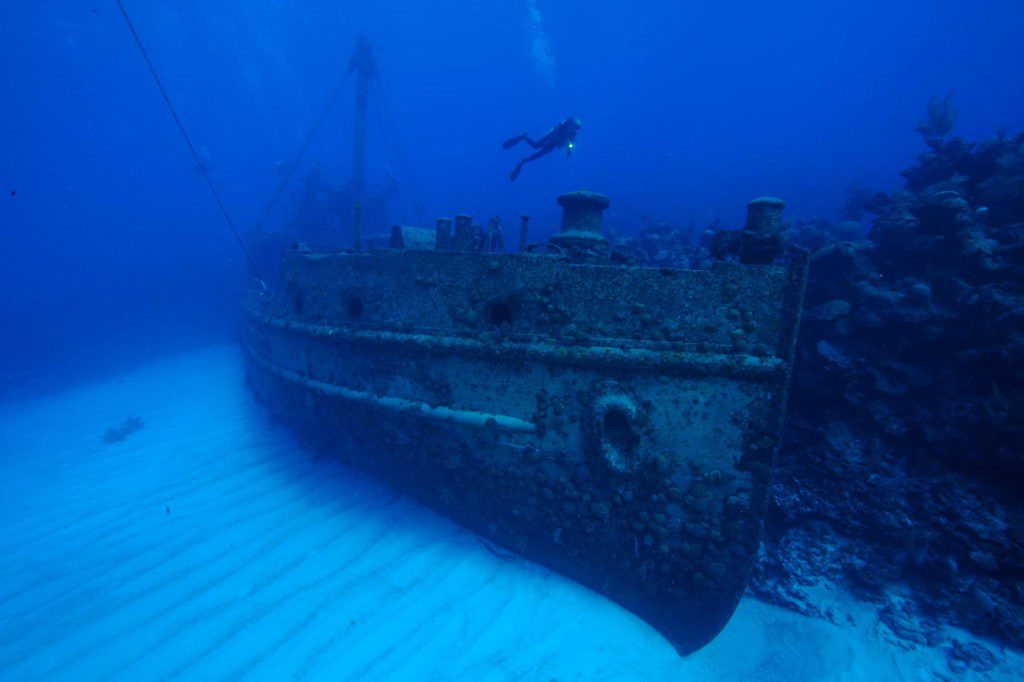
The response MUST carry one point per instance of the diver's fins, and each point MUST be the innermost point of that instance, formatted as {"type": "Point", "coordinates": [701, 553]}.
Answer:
{"type": "Point", "coordinates": [515, 172]}
{"type": "Point", "coordinates": [512, 141]}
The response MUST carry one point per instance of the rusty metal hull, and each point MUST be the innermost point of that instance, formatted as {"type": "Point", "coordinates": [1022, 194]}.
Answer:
{"type": "Point", "coordinates": [617, 424]}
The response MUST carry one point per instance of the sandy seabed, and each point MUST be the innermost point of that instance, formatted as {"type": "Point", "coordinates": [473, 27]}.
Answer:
{"type": "Point", "coordinates": [209, 545]}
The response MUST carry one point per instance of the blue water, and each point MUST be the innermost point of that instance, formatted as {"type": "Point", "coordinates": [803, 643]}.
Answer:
{"type": "Point", "coordinates": [113, 247]}
{"type": "Point", "coordinates": [120, 286]}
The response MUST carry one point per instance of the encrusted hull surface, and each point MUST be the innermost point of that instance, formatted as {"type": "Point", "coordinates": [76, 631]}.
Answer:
{"type": "Point", "coordinates": [617, 424]}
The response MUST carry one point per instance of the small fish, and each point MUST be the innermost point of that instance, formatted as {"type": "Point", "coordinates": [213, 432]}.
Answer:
{"type": "Point", "coordinates": [167, 509]}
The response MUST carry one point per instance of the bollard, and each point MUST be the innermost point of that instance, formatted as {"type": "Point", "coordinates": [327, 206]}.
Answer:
{"type": "Point", "coordinates": [581, 213]}
{"type": "Point", "coordinates": [524, 224]}
{"type": "Point", "coordinates": [494, 240]}
{"type": "Point", "coordinates": [479, 238]}
{"type": "Point", "coordinates": [463, 239]}
{"type": "Point", "coordinates": [357, 227]}
{"type": "Point", "coordinates": [580, 234]}
{"type": "Point", "coordinates": [762, 235]}
{"type": "Point", "coordinates": [442, 234]}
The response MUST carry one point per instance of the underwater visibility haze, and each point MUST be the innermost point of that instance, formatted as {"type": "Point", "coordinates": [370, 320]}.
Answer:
{"type": "Point", "coordinates": [531, 339]}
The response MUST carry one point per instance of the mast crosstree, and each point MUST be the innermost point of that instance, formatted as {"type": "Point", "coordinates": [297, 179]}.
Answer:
{"type": "Point", "coordinates": [363, 66]}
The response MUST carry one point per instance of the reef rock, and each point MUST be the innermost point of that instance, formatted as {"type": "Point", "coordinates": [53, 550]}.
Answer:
{"type": "Point", "coordinates": [903, 463]}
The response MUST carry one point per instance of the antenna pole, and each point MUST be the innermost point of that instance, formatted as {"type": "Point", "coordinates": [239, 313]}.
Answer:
{"type": "Point", "coordinates": [357, 227]}
{"type": "Point", "coordinates": [366, 68]}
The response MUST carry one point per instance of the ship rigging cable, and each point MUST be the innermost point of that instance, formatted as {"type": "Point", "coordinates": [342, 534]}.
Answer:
{"type": "Point", "coordinates": [385, 140]}
{"type": "Point", "coordinates": [389, 134]}
{"type": "Point", "coordinates": [188, 141]}
{"type": "Point", "coordinates": [302, 150]}
{"type": "Point", "coordinates": [382, 106]}
{"type": "Point", "coordinates": [385, 118]}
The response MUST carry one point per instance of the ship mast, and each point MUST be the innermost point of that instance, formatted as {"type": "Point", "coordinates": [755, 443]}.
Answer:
{"type": "Point", "coordinates": [365, 68]}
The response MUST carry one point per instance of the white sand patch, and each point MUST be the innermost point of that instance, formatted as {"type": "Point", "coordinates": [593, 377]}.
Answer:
{"type": "Point", "coordinates": [270, 565]}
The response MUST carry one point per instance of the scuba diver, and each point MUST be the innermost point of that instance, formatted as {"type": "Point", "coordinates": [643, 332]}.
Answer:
{"type": "Point", "coordinates": [562, 135]}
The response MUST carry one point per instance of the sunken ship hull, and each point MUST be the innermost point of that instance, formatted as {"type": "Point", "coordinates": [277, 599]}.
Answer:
{"type": "Point", "coordinates": [615, 423]}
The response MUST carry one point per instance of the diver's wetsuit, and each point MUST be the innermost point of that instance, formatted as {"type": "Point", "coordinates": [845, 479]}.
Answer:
{"type": "Point", "coordinates": [562, 135]}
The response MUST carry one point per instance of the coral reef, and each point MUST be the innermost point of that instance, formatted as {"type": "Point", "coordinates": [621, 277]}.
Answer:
{"type": "Point", "coordinates": [901, 471]}
{"type": "Point", "coordinates": [666, 245]}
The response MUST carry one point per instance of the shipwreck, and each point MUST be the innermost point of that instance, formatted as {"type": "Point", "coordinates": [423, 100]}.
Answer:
{"type": "Point", "coordinates": [614, 422]}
